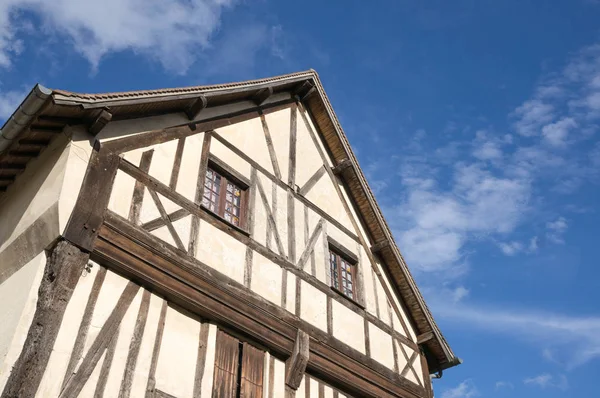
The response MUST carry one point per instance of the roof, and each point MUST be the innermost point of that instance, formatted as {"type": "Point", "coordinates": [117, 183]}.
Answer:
{"type": "Point", "coordinates": [44, 113]}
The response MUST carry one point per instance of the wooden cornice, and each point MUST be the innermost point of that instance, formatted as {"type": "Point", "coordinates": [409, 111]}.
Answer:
{"type": "Point", "coordinates": [104, 116]}
{"type": "Point", "coordinates": [342, 166]}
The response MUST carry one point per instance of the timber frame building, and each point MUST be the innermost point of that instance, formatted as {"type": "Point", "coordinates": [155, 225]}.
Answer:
{"type": "Point", "coordinates": [213, 241]}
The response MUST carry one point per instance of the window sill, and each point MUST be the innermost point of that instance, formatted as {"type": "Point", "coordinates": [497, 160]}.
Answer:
{"type": "Point", "coordinates": [347, 298]}
{"type": "Point", "coordinates": [224, 221]}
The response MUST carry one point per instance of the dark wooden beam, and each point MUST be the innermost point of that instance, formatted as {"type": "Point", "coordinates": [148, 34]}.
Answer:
{"type": "Point", "coordinates": [196, 107]}
{"type": "Point", "coordinates": [92, 201]}
{"type": "Point", "coordinates": [296, 364]}
{"type": "Point", "coordinates": [104, 116]}
{"type": "Point", "coordinates": [262, 95]}
{"type": "Point", "coordinates": [60, 120]}
{"type": "Point", "coordinates": [45, 129]}
{"type": "Point", "coordinates": [24, 154]}
{"type": "Point", "coordinates": [424, 338]}
{"type": "Point", "coordinates": [36, 143]}
{"type": "Point", "coordinates": [342, 166]}
{"type": "Point", "coordinates": [304, 90]}
{"type": "Point", "coordinates": [379, 246]}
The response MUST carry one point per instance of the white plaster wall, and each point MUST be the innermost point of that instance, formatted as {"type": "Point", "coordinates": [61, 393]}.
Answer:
{"type": "Point", "coordinates": [266, 278]}
{"type": "Point", "coordinates": [79, 150]}
{"type": "Point", "coordinates": [348, 326]}
{"type": "Point", "coordinates": [381, 346]}
{"type": "Point", "coordinates": [308, 160]}
{"type": "Point", "coordinates": [250, 138]}
{"type": "Point", "coordinates": [314, 129]}
{"type": "Point", "coordinates": [279, 127]}
{"type": "Point", "coordinates": [221, 251]}
{"type": "Point", "coordinates": [20, 290]}
{"type": "Point", "coordinates": [411, 331]}
{"type": "Point", "coordinates": [132, 127]}
{"type": "Point", "coordinates": [324, 195]}
{"type": "Point", "coordinates": [121, 194]}
{"type": "Point", "coordinates": [290, 302]}
{"type": "Point", "coordinates": [368, 285]}
{"type": "Point", "coordinates": [260, 212]}
{"type": "Point", "coordinates": [190, 166]}
{"type": "Point", "coordinates": [279, 379]}
{"type": "Point", "coordinates": [33, 192]}
{"type": "Point", "coordinates": [230, 158]}
{"type": "Point", "coordinates": [176, 367]}
{"type": "Point", "coordinates": [313, 306]}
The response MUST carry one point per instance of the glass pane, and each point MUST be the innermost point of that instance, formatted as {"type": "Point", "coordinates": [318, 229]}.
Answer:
{"type": "Point", "coordinates": [229, 197]}
{"type": "Point", "coordinates": [229, 187]}
{"type": "Point", "coordinates": [228, 216]}
{"type": "Point", "coordinates": [205, 202]}
{"type": "Point", "coordinates": [236, 220]}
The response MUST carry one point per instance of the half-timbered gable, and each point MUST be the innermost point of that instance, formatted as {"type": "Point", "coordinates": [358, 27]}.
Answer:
{"type": "Point", "coordinates": [235, 250]}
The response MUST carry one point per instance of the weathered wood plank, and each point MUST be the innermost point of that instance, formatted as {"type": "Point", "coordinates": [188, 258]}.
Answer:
{"type": "Point", "coordinates": [296, 364]}
{"type": "Point", "coordinates": [150, 387]}
{"type": "Point", "coordinates": [312, 181]}
{"type": "Point", "coordinates": [138, 189]}
{"type": "Point", "coordinates": [106, 364]}
{"type": "Point", "coordinates": [135, 345]}
{"type": "Point", "coordinates": [270, 217]}
{"type": "Point", "coordinates": [201, 359]}
{"type": "Point", "coordinates": [193, 242]}
{"type": "Point", "coordinates": [75, 384]}
{"type": "Point", "coordinates": [177, 163]}
{"type": "Point", "coordinates": [88, 213]}
{"type": "Point", "coordinates": [84, 326]}
{"type": "Point", "coordinates": [311, 244]}
{"type": "Point", "coordinates": [165, 217]}
{"type": "Point", "coordinates": [270, 147]}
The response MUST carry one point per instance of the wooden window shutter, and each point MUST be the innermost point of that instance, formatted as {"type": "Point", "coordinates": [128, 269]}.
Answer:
{"type": "Point", "coordinates": [253, 361]}
{"type": "Point", "coordinates": [226, 366]}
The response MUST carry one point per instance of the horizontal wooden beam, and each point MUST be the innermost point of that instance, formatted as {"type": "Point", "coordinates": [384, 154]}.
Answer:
{"type": "Point", "coordinates": [424, 338]}
{"type": "Point", "coordinates": [45, 130]}
{"type": "Point", "coordinates": [342, 166]}
{"type": "Point", "coordinates": [202, 290]}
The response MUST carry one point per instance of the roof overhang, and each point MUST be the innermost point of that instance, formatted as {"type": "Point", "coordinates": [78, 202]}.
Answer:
{"type": "Point", "coordinates": [45, 113]}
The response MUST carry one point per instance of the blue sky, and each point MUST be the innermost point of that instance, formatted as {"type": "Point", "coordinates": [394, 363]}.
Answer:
{"type": "Point", "coordinates": [476, 122]}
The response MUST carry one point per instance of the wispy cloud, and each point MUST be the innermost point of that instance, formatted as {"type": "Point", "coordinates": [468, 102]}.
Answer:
{"type": "Point", "coordinates": [504, 384]}
{"type": "Point", "coordinates": [171, 32]}
{"type": "Point", "coordinates": [466, 389]}
{"type": "Point", "coordinates": [576, 338]}
{"type": "Point", "coordinates": [546, 380]}
{"type": "Point", "coordinates": [556, 230]}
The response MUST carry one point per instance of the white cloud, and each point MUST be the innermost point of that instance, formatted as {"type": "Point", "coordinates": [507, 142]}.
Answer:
{"type": "Point", "coordinates": [9, 101]}
{"type": "Point", "coordinates": [531, 115]}
{"type": "Point", "coordinates": [533, 244]}
{"type": "Point", "coordinates": [557, 133]}
{"type": "Point", "coordinates": [504, 384]}
{"type": "Point", "coordinates": [171, 32]}
{"type": "Point", "coordinates": [459, 293]}
{"type": "Point", "coordinates": [434, 225]}
{"type": "Point", "coordinates": [576, 338]}
{"type": "Point", "coordinates": [546, 380]}
{"type": "Point", "coordinates": [510, 248]}
{"type": "Point", "coordinates": [466, 389]}
{"type": "Point", "coordinates": [556, 230]}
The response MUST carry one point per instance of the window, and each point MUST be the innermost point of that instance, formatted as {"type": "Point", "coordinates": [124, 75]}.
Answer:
{"type": "Point", "coordinates": [224, 196]}
{"type": "Point", "coordinates": [343, 274]}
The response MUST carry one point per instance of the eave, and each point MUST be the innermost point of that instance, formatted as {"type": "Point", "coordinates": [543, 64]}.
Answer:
{"type": "Point", "coordinates": [59, 109]}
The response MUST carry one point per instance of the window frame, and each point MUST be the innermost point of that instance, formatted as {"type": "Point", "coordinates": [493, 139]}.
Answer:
{"type": "Point", "coordinates": [227, 175]}
{"type": "Point", "coordinates": [342, 254]}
